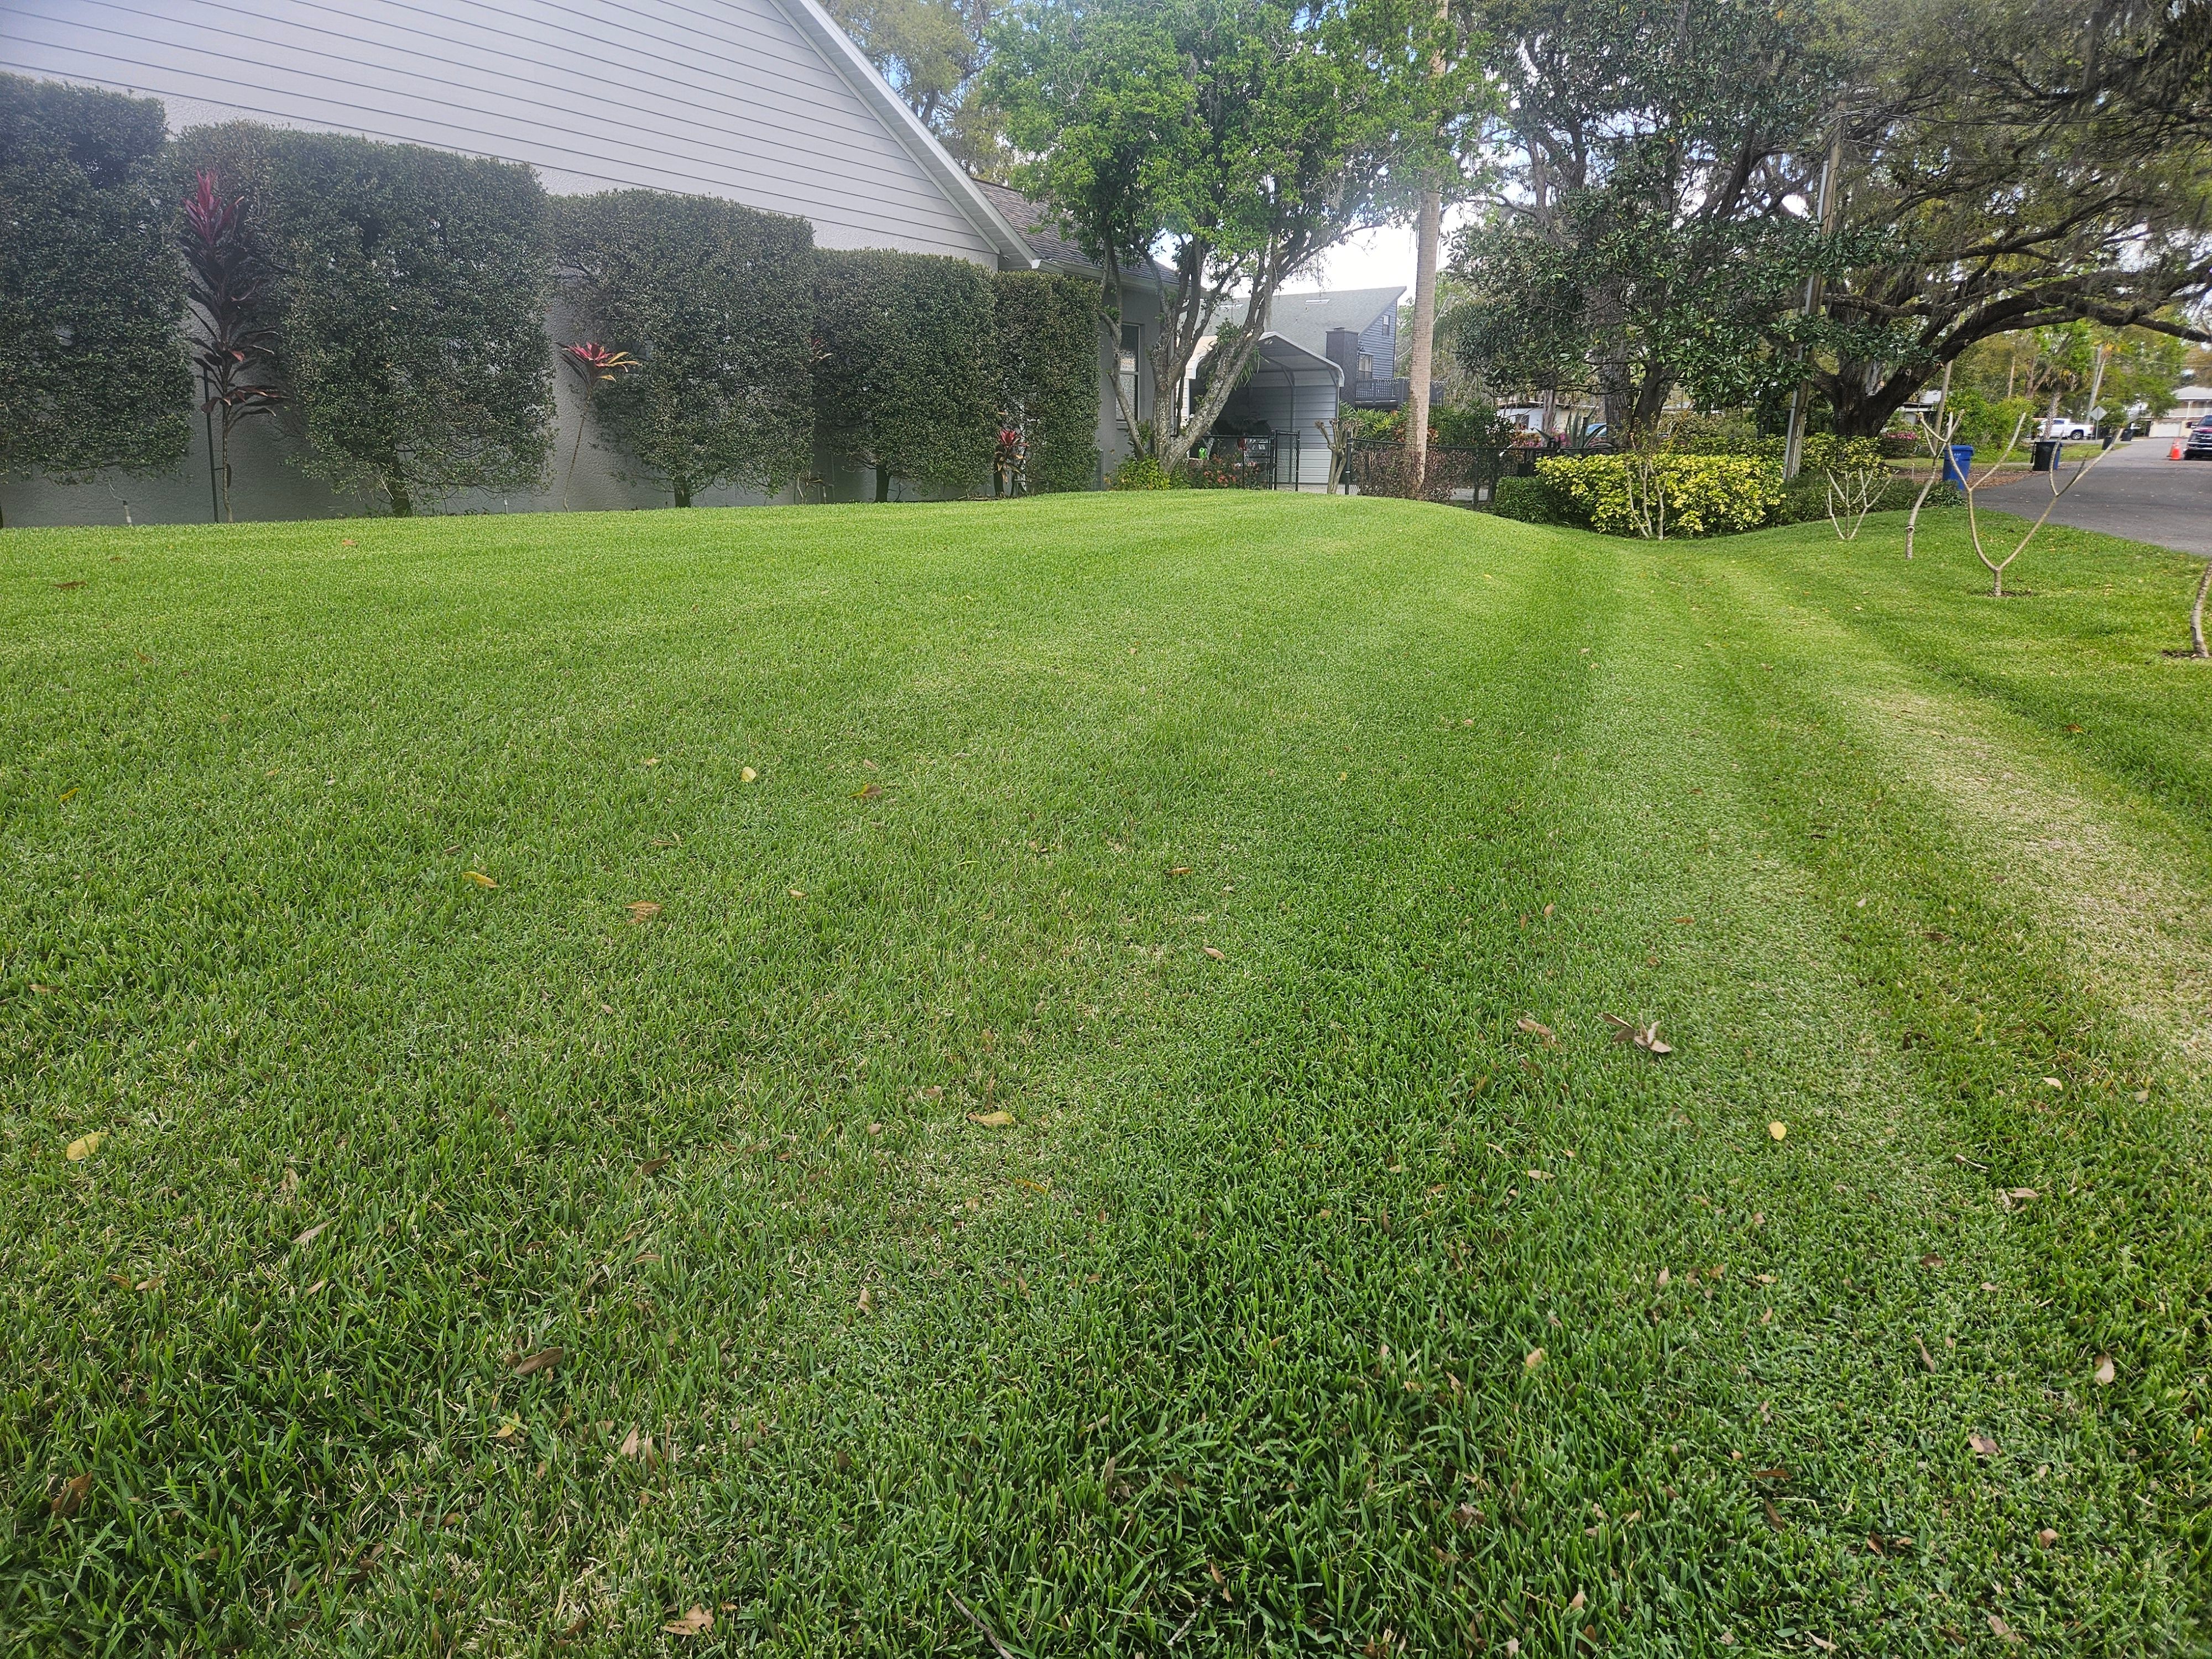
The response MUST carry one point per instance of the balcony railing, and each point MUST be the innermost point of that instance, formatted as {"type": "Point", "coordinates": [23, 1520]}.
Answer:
{"type": "Point", "coordinates": [1380, 394]}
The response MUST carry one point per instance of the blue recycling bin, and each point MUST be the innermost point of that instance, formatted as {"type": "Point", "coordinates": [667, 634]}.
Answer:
{"type": "Point", "coordinates": [1957, 462]}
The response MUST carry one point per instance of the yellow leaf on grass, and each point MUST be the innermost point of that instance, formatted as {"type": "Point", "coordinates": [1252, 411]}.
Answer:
{"type": "Point", "coordinates": [2104, 1374]}
{"type": "Point", "coordinates": [85, 1145]}
{"type": "Point", "coordinates": [70, 1498]}
{"type": "Point", "coordinates": [697, 1622]}
{"type": "Point", "coordinates": [479, 877]}
{"type": "Point", "coordinates": [1535, 1358]}
{"type": "Point", "coordinates": [798, 893]}
{"type": "Point", "coordinates": [1778, 1129]}
{"type": "Point", "coordinates": [543, 1360]}
{"type": "Point", "coordinates": [991, 1120]}
{"type": "Point", "coordinates": [1179, 870]}
{"type": "Point", "coordinates": [746, 774]}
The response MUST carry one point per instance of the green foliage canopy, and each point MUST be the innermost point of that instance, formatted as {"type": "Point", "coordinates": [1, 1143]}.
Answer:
{"type": "Point", "coordinates": [906, 374]}
{"type": "Point", "coordinates": [90, 294]}
{"type": "Point", "coordinates": [1242, 139]}
{"type": "Point", "coordinates": [1048, 348]}
{"type": "Point", "coordinates": [716, 301]}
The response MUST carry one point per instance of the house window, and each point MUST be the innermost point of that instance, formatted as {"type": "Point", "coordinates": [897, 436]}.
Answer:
{"type": "Point", "coordinates": [1366, 366]}
{"type": "Point", "coordinates": [1131, 346]}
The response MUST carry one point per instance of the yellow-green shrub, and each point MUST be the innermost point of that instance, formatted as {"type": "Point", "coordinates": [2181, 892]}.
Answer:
{"type": "Point", "coordinates": [1666, 495]}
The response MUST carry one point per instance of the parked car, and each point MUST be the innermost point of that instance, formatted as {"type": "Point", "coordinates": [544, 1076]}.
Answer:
{"type": "Point", "coordinates": [2064, 427]}
{"type": "Point", "coordinates": [2198, 446]}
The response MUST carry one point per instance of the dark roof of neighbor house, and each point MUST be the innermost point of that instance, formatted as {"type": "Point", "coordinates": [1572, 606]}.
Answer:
{"type": "Point", "coordinates": [1307, 318]}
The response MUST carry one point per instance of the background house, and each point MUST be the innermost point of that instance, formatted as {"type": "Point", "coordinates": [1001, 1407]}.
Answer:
{"type": "Point", "coordinates": [1321, 355]}
{"type": "Point", "coordinates": [765, 102]}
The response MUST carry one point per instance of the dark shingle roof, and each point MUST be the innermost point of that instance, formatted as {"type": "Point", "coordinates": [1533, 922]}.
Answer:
{"type": "Point", "coordinates": [1034, 222]}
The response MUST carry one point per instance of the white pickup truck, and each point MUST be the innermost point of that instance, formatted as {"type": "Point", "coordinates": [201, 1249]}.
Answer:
{"type": "Point", "coordinates": [2066, 426]}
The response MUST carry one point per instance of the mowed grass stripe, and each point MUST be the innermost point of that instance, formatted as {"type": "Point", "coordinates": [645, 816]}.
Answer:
{"type": "Point", "coordinates": [1146, 1275]}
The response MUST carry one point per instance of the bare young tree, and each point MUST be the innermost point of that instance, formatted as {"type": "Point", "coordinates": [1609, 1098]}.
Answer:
{"type": "Point", "coordinates": [1851, 496]}
{"type": "Point", "coordinates": [2197, 615]}
{"type": "Point", "coordinates": [1997, 568]}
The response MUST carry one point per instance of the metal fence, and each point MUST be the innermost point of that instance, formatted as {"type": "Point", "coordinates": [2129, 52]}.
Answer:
{"type": "Point", "coordinates": [1303, 461]}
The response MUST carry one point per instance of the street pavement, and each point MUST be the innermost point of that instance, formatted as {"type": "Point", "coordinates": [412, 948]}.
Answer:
{"type": "Point", "coordinates": [2135, 491]}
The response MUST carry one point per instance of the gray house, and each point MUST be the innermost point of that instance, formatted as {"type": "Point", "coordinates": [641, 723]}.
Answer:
{"type": "Point", "coordinates": [1322, 353]}
{"type": "Point", "coordinates": [766, 102]}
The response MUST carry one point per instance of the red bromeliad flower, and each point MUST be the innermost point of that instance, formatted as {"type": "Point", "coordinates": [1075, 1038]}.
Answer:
{"type": "Point", "coordinates": [597, 364]}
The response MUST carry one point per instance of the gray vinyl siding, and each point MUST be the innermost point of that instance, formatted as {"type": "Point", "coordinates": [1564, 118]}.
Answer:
{"type": "Point", "coordinates": [723, 98]}
{"type": "Point", "coordinates": [1379, 341]}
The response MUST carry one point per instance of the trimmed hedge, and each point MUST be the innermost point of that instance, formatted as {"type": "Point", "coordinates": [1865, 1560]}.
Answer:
{"type": "Point", "coordinates": [906, 371]}
{"type": "Point", "coordinates": [90, 291]}
{"type": "Point", "coordinates": [1047, 331]}
{"type": "Point", "coordinates": [716, 301]}
{"type": "Point", "coordinates": [411, 339]}
{"type": "Point", "coordinates": [1701, 494]}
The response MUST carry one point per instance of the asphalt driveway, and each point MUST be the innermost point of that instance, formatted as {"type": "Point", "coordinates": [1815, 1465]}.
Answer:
{"type": "Point", "coordinates": [2135, 491]}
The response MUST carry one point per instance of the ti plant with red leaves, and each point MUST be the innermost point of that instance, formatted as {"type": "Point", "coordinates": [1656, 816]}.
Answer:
{"type": "Point", "coordinates": [596, 365]}
{"type": "Point", "coordinates": [1009, 465]}
{"type": "Point", "coordinates": [229, 282]}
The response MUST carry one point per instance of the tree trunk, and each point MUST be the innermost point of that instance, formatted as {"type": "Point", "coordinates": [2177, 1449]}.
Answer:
{"type": "Point", "coordinates": [395, 486]}
{"type": "Point", "coordinates": [883, 481]}
{"type": "Point", "coordinates": [1421, 366]}
{"type": "Point", "coordinates": [681, 489]}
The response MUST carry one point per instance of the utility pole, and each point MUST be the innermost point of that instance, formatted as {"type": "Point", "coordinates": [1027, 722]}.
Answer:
{"type": "Point", "coordinates": [1793, 448]}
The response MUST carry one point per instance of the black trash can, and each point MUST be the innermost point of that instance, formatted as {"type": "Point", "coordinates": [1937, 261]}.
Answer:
{"type": "Point", "coordinates": [2046, 455]}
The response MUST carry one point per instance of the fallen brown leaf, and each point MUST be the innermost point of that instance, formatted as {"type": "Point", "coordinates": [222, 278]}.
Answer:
{"type": "Point", "coordinates": [2104, 1373]}
{"type": "Point", "coordinates": [70, 1498]}
{"type": "Point", "coordinates": [1179, 870]}
{"type": "Point", "coordinates": [311, 1235]}
{"type": "Point", "coordinates": [84, 1146]}
{"type": "Point", "coordinates": [1983, 1446]}
{"type": "Point", "coordinates": [1931, 1260]}
{"type": "Point", "coordinates": [1927, 1360]}
{"type": "Point", "coordinates": [697, 1622]}
{"type": "Point", "coordinates": [2003, 1632]}
{"type": "Point", "coordinates": [543, 1360]}
{"type": "Point", "coordinates": [42, 990]}
{"type": "Point", "coordinates": [642, 911]}
{"type": "Point", "coordinates": [1215, 954]}
{"type": "Point", "coordinates": [2047, 1537]}
{"type": "Point", "coordinates": [1774, 1516]}
{"type": "Point", "coordinates": [636, 1445]}
{"type": "Point", "coordinates": [870, 792]}
{"type": "Point", "coordinates": [79, 582]}
{"type": "Point", "coordinates": [654, 1165]}
{"type": "Point", "coordinates": [1535, 1358]}
{"type": "Point", "coordinates": [1535, 1027]}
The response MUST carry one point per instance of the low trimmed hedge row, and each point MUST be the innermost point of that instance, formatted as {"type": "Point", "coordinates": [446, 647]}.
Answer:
{"type": "Point", "coordinates": [1700, 494]}
{"type": "Point", "coordinates": [408, 322]}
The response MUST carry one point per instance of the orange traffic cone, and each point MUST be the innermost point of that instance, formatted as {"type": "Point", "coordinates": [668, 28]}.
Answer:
{"type": "Point", "coordinates": [2175, 454]}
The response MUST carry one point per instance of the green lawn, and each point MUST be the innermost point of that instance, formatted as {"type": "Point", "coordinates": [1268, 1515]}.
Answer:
{"type": "Point", "coordinates": [1331, 1282]}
